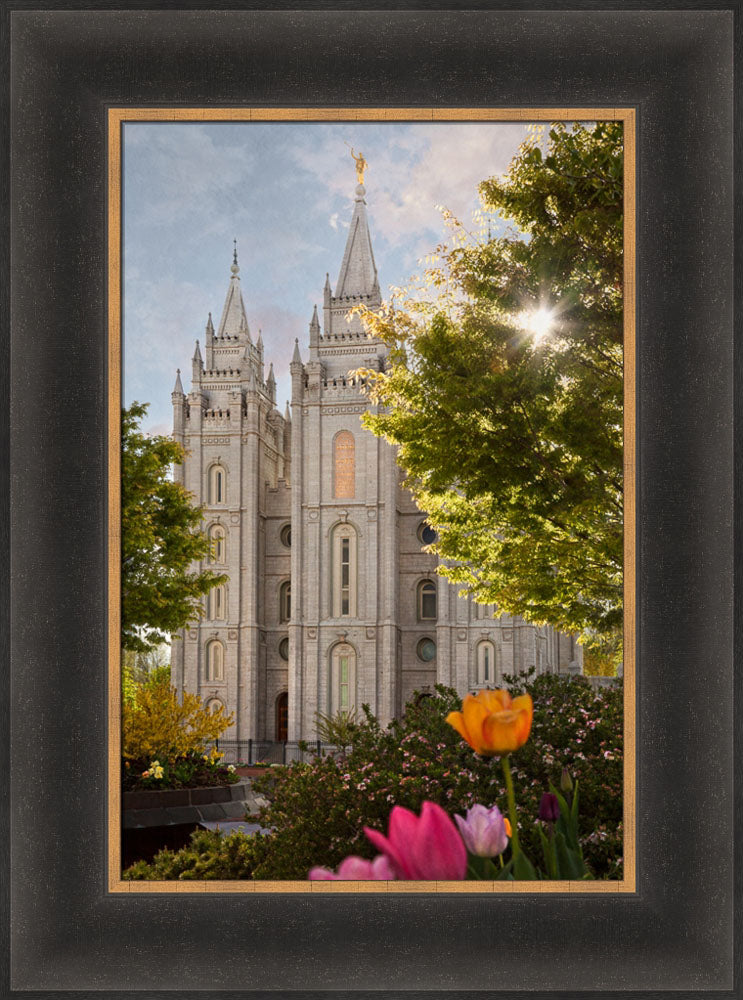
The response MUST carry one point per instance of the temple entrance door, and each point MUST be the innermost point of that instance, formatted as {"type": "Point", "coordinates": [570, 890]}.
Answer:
{"type": "Point", "coordinates": [282, 717]}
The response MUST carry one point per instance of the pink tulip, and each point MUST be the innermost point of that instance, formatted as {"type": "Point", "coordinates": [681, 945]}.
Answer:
{"type": "Point", "coordinates": [428, 847]}
{"type": "Point", "coordinates": [354, 869]}
{"type": "Point", "coordinates": [483, 831]}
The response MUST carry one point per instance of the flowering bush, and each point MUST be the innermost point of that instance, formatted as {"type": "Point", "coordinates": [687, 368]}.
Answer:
{"type": "Point", "coordinates": [318, 810]}
{"type": "Point", "coordinates": [160, 724]}
{"type": "Point", "coordinates": [192, 770]}
{"type": "Point", "coordinates": [166, 738]}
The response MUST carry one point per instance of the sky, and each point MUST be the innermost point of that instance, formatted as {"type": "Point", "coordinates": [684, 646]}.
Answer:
{"type": "Point", "coordinates": [284, 191]}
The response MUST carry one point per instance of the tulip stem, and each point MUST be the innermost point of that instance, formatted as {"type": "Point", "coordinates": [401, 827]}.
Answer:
{"type": "Point", "coordinates": [515, 846]}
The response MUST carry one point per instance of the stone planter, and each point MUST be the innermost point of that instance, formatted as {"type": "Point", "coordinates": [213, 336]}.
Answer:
{"type": "Point", "coordinates": [156, 819]}
{"type": "Point", "coordinates": [175, 806]}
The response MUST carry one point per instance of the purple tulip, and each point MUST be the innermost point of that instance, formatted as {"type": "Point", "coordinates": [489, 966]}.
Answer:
{"type": "Point", "coordinates": [425, 847]}
{"type": "Point", "coordinates": [549, 808]}
{"type": "Point", "coordinates": [483, 831]}
{"type": "Point", "coordinates": [353, 869]}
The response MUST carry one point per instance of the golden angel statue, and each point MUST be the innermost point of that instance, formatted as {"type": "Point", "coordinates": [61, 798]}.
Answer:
{"type": "Point", "coordinates": [361, 165]}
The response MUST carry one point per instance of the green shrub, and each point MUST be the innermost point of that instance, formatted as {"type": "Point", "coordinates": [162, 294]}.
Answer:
{"type": "Point", "coordinates": [209, 855]}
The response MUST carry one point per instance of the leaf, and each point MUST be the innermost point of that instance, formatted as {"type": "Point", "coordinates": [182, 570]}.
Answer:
{"type": "Point", "coordinates": [570, 864]}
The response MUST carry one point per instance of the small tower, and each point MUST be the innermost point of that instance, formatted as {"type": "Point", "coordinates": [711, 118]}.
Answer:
{"type": "Point", "coordinates": [197, 365]}
{"type": "Point", "coordinates": [314, 335]}
{"type": "Point", "coordinates": [271, 384]}
{"type": "Point", "coordinates": [209, 343]}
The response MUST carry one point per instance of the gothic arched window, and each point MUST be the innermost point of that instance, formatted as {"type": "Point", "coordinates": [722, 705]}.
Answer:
{"type": "Point", "coordinates": [344, 571]}
{"type": "Point", "coordinates": [217, 485]}
{"type": "Point", "coordinates": [218, 539]}
{"type": "Point", "coordinates": [344, 466]}
{"type": "Point", "coordinates": [215, 661]}
{"type": "Point", "coordinates": [217, 602]}
{"type": "Point", "coordinates": [285, 601]}
{"type": "Point", "coordinates": [427, 610]}
{"type": "Point", "coordinates": [342, 678]}
{"type": "Point", "coordinates": [214, 705]}
{"type": "Point", "coordinates": [485, 662]}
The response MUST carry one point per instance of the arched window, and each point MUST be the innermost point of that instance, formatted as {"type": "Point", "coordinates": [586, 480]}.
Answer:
{"type": "Point", "coordinates": [214, 705]}
{"type": "Point", "coordinates": [344, 571]}
{"type": "Point", "coordinates": [342, 678]}
{"type": "Point", "coordinates": [215, 661]}
{"type": "Point", "coordinates": [285, 601]}
{"type": "Point", "coordinates": [217, 537]}
{"type": "Point", "coordinates": [427, 611]}
{"type": "Point", "coordinates": [217, 485]}
{"type": "Point", "coordinates": [217, 603]}
{"type": "Point", "coordinates": [344, 465]}
{"type": "Point", "coordinates": [486, 662]}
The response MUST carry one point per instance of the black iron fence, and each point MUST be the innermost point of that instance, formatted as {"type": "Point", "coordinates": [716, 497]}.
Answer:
{"type": "Point", "coordinates": [270, 752]}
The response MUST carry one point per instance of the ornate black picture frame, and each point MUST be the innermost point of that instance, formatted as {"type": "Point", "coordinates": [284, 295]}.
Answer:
{"type": "Point", "coordinates": [67, 932]}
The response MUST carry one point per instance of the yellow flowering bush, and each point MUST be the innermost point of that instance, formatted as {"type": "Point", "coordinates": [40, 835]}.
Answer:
{"type": "Point", "coordinates": [160, 726]}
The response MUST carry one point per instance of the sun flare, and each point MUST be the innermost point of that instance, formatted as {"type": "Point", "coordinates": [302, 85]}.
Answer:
{"type": "Point", "coordinates": [538, 322]}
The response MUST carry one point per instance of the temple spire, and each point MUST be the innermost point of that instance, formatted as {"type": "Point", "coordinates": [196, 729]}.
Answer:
{"type": "Point", "coordinates": [358, 274]}
{"type": "Point", "coordinates": [178, 387]}
{"type": "Point", "coordinates": [234, 321]}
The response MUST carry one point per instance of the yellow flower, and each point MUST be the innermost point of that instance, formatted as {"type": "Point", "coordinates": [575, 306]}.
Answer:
{"type": "Point", "coordinates": [158, 772]}
{"type": "Point", "coordinates": [492, 722]}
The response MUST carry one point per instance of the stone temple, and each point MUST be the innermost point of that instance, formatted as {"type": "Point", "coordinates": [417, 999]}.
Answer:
{"type": "Point", "coordinates": [332, 600]}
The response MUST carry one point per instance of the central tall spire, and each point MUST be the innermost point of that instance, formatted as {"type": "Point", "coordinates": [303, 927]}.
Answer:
{"type": "Point", "coordinates": [358, 274]}
{"type": "Point", "coordinates": [234, 320]}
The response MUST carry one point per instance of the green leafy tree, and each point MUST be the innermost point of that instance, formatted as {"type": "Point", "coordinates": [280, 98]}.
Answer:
{"type": "Point", "coordinates": [161, 539]}
{"type": "Point", "coordinates": [504, 388]}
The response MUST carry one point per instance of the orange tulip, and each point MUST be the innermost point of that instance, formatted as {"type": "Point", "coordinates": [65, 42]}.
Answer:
{"type": "Point", "coordinates": [492, 722]}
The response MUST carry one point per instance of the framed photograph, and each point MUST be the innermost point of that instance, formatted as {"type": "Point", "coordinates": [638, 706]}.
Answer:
{"type": "Point", "coordinates": [117, 158]}
{"type": "Point", "coordinates": [328, 597]}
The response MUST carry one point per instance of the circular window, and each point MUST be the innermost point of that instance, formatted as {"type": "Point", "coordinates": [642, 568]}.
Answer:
{"type": "Point", "coordinates": [426, 650]}
{"type": "Point", "coordinates": [426, 534]}
{"type": "Point", "coordinates": [284, 649]}
{"type": "Point", "coordinates": [286, 535]}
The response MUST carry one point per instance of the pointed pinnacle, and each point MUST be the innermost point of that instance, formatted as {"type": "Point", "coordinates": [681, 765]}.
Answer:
{"type": "Point", "coordinates": [296, 357]}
